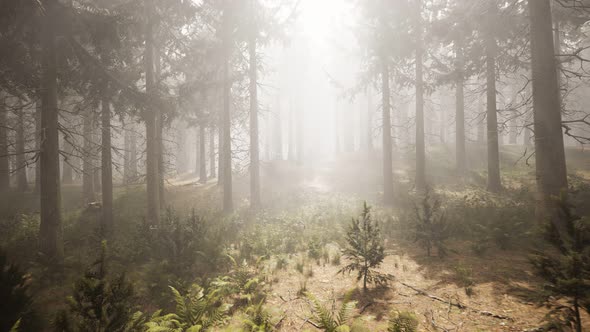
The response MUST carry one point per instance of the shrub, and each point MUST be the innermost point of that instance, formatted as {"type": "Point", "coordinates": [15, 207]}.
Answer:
{"type": "Point", "coordinates": [16, 305]}
{"type": "Point", "coordinates": [365, 249]}
{"type": "Point", "coordinates": [99, 303]}
{"type": "Point", "coordinates": [431, 226]}
{"type": "Point", "coordinates": [566, 269]}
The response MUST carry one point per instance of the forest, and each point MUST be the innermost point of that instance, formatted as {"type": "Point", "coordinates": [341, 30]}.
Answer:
{"type": "Point", "coordinates": [294, 165]}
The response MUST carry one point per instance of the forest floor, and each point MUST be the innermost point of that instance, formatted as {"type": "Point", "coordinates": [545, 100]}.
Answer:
{"type": "Point", "coordinates": [461, 292]}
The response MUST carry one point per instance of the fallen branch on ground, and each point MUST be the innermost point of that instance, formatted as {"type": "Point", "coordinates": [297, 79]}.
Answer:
{"type": "Point", "coordinates": [458, 305]}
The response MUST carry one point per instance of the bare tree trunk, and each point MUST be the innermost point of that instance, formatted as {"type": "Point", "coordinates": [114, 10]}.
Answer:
{"type": "Point", "coordinates": [151, 124]}
{"type": "Point", "coordinates": [549, 148]}
{"type": "Point", "coordinates": [87, 158]}
{"type": "Point", "coordinates": [38, 108]}
{"type": "Point", "coordinates": [21, 162]}
{"type": "Point", "coordinates": [299, 136]}
{"type": "Point", "coordinates": [387, 146]}
{"type": "Point", "coordinates": [461, 155]}
{"type": "Point", "coordinates": [278, 133]}
{"type": "Point", "coordinates": [127, 156]}
{"type": "Point", "coordinates": [203, 155]}
{"type": "Point", "coordinates": [228, 204]}
{"type": "Point", "coordinates": [337, 127]}
{"type": "Point", "coordinates": [159, 130]}
{"type": "Point", "coordinates": [494, 183]}
{"type": "Point", "coordinates": [212, 172]}
{"type": "Point", "coordinates": [420, 144]}
{"type": "Point", "coordinates": [97, 140]}
{"type": "Point", "coordinates": [370, 110]}
{"type": "Point", "coordinates": [50, 231]}
{"type": "Point", "coordinates": [292, 155]}
{"type": "Point", "coordinates": [513, 129]}
{"type": "Point", "coordinates": [107, 169]}
{"type": "Point", "coordinates": [254, 143]}
{"type": "Point", "coordinates": [4, 160]}
{"type": "Point", "coordinates": [67, 172]}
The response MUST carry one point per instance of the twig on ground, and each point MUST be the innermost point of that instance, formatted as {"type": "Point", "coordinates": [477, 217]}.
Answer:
{"type": "Point", "coordinates": [458, 305]}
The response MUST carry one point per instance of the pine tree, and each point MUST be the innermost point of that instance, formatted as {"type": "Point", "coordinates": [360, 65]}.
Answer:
{"type": "Point", "coordinates": [365, 249]}
{"type": "Point", "coordinates": [16, 304]}
{"type": "Point", "coordinates": [99, 302]}
{"type": "Point", "coordinates": [566, 270]}
{"type": "Point", "coordinates": [431, 227]}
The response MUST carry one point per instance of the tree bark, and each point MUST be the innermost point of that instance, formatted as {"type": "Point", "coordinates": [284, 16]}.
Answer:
{"type": "Point", "coordinates": [38, 109]}
{"type": "Point", "coordinates": [494, 182]}
{"type": "Point", "coordinates": [67, 172]}
{"type": "Point", "coordinates": [4, 160]}
{"type": "Point", "coordinates": [254, 143]}
{"type": "Point", "coordinates": [227, 155]}
{"type": "Point", "coordinates": [203, 155]}
{"type": "Point", "coordinates": [420, 180]}
{"type": "Point", "coordinates": [151, 124]}
{"type": "Point", "coordinates": [87, 158]}
{"type": "Point", "coordinates": [212, 172]}
{"type": "Point", "coordinates": [387, 153]}
{"type": "Point", "coordinates": [50, 231]}
{"type": "Point", "coordinates": [369, 128]}
{"type": "Point", "coordinates": [107, 168]}
{"type": "Point", "coordinates": [461, 155]}
{"type": "Point", "coordinates": [21, 160]}
{"type": "Point", "coordinates": [551, 171]}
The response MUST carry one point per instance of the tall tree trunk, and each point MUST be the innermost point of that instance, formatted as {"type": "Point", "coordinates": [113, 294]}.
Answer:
{"type": "Point", "coordinates": [278, 133]}
{"type": "Point", "coordinates": [337, 127]}
{"type": "Point", "coordinates": [50, 231]}
{"type": "Point", "coordinates": [197, 151]}
{"type": "Point", "coordinates": [151, 124]}
{"type": "Point", "coordinates": [159, 129]}
{"type": "Point", "coordinates": [212, 172]}
{"type": "Point", "coordinates": [97, 140]}
{"type": "Point", "coordinates": [299, 135]}
{"type": "Point", "coordinates": [370, 110]}
{"type": "Point", "coordinates": [461, 155]}
{"type": "Point", "coordinates": [21, 162]}
{"type": "Point", "coordinates": [107, 169]}
{"type": "Point", "coordinates": [87, 159]}
{"type": "Point", "coordinates": [254, 144]}
{"type": "Point", "coordinates": [387, 153]}
{"type": "Point", "coordinates": [513, 135]}
{"type": "Point", "coordinates": [38, 109]}
{"type": "Point", "coordinates": [494, 183]}
{"type": "Point", "coordinates": [202, 155]}
{"type": "Point", "coordinates": [67, 172]}
{"type": "Point", "coordinates": [127, 155]}
{"type": "Point", "coordinates": [4, 160]}
{"type": "Point", "coordinates": [228, 204]}
{"type": "Point", "coordinates": [292, 155]}
{"type": "Point", "coordinates": [420, 144]}
{"type": "Point", "coordinates": [549, 148]}
{"type": "Point", "coordinates": [220, 147]}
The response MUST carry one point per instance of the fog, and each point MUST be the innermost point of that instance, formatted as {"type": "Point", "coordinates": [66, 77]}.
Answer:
{"type": "Point", "coordinates": [294, 165]}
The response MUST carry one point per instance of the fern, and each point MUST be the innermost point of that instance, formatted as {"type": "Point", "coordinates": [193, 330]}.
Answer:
{"type": "Point", "coordinates": [329, 321]}
{"type": "Point", "coordinates": [403, 322]}
{"type": "Point", "coordinates": [194, 312]}
{"type": "Point", "coordinates": [258, 319]}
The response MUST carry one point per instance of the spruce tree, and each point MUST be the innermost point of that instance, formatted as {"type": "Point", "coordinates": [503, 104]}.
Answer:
{"type": "Point", "coordinates": [566, 269]}
{"type": "Point", "coordinates": [365, 249]}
